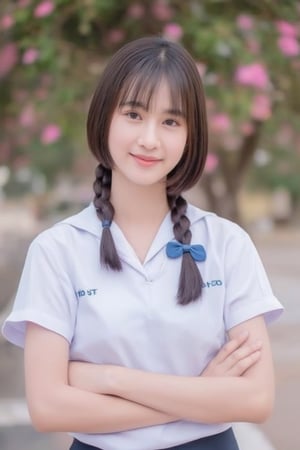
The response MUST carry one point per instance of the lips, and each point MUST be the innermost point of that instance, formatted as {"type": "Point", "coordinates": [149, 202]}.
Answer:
{"type": "Point", "coordinates": [144, 160]}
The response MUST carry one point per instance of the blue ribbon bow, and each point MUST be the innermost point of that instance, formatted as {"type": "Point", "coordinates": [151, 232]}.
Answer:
{"type": "Point", "coordinates": [175, 249]}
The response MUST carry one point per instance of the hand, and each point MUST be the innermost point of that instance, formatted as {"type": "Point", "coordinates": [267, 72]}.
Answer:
{"type": "Point", "coordinates": [234, 358]}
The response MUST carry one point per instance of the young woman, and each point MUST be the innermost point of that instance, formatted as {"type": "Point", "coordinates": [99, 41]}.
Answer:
{"type": "Point", "coordinates": [163, 343]}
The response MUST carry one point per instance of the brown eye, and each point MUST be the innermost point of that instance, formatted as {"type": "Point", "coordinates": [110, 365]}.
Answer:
{"type": "Point", "coordinates": [171, 122]}
{"type": "Point", "coordinates": [133, 115]}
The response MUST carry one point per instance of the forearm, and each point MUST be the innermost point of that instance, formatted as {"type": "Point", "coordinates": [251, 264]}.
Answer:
{"type": "Point", "coordinates": [229, 391]}
{"type": "Point", "coordinates": [71, 409]}
{"type": "Point", "coordinates": [201, 399]}
{"type": "Point", "coordinates": [210, 399]}
{"type": "Point", "coordinates": [55, 405]}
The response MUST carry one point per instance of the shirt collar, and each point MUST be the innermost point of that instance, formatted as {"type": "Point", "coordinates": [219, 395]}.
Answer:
{"type": "Point", "coordinates": [87, 220]}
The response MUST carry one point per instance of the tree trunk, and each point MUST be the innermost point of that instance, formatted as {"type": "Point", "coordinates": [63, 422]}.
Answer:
{"type": "Point", "coordinates": [222, 188]}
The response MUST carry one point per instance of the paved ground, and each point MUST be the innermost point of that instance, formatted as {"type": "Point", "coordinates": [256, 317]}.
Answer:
{"type": "Point", "coordinates": [280, 253]}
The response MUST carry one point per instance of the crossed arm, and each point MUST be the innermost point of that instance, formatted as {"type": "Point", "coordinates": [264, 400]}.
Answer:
{"type": "Point", "coordinates": [236, 386]}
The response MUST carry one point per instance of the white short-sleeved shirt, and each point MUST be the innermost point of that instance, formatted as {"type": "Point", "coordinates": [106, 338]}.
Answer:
{"type": "Point", "coordinates": [132, 318]}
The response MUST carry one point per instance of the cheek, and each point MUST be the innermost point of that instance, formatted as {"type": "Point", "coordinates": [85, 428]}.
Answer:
{"type": "Point", "coordinates": [119, 133]}
{"type": "Point", "coordinates": [180, 144]}
{"type": "Point", "coordinates": [184, 141]}
{"type": "Point", "coordinates": [115, 136]}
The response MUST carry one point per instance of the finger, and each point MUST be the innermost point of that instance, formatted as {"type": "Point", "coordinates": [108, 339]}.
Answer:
{"type": "Point", "coordinates": [231, 346]}
{"type": "Point", "coordinates": [244, 364]}
{"type": "Point", "coordinates": [242, 353]}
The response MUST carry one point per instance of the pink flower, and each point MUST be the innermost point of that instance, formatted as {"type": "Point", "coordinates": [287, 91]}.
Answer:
{"type": "Point", "coordinates": [286, 28]}
{"type": "Point", "coordinates": [51, 133]}
{"type": "Point", "coordinates": [8, 58]}
{"type": "Point", "coordinates": [6, 22]}
{"type": "Point", "coordinates": [30, 56]}
{"type": "Point", "coordinates": [252, 75]}
{"type": "Point", "coordinates": [253, 45]}
{"type": "Point", "coordinates": [288, 45]}
{"type": "Point", "coordinates": [161, 10]}
{"type": "Point", "coordinates": [244, 22]}
{"type": "Point", "coordinates": [23, 3]}
{"type": "Point", "coordinates": [115, 36]}
{"type": "Point", "coordinates": [27, 117]}
{"type": "Point", "coordinates": [220, 122]}
{"type": "Point", "coordinates": [173, 31]}
{"type": "Point", "coordinates": [201, 69]}
{"type": "Point", "coordinates": [212, 162]}
{"type": "Point", "coordinates": [43, 9]}
{"type": "Point", "coordinates": [261, 107]}
{"type": "Point", "coordinates": [247, 128]}
{"type": "Point", "coordinates": [136, 11]}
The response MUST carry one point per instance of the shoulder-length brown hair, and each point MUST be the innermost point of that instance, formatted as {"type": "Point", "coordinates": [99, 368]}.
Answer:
{"type": "Point", "coordinates": [137, 68]}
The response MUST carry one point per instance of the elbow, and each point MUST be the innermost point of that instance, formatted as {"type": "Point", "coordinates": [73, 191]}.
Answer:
{"type": "Point", "coordinates": [265, 411]}
{"type": "Point", "coordinates": [41, 418]}
{"type": "Point", "coordinates": [261, 407]}
{"type": "Point", "coordinates": [40, 425]}
{"type": "Point", "coordinates": [44, 413]}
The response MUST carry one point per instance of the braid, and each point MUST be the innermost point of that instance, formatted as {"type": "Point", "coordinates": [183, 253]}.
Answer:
{"type": "Point", "coordinates": [190, 280]}
{"type": "Point", "coordinates": [105, 211]}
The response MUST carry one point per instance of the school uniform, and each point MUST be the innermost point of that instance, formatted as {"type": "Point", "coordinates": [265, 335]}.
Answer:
{"type": "Point", "coordinates": [132, 318]}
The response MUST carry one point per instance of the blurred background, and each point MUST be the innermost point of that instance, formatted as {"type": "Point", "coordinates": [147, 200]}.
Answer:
{"type": "Point", "coordinates": [248, 54]}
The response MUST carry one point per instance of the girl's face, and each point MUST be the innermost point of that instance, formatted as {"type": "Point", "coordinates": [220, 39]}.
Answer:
{"type": "Point", "coordinates": [147, 143]}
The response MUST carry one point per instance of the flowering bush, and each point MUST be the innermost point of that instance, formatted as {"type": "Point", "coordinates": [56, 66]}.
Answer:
{"type": "Point", "coordinates": [248, 55]}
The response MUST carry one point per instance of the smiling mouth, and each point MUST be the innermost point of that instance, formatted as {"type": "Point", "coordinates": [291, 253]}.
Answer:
{"type": "Point", "coordinates": [145, 160]}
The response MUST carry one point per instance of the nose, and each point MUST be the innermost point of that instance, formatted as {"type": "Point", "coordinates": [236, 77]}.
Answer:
{"type": "Point", "coordinates": [148, 137]}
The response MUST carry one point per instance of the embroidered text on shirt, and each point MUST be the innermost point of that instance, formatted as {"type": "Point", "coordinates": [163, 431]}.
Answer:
{"type": "Point", "coordinates": [83, 293]}
{"type": "Point", "coordinates": [212, 283]}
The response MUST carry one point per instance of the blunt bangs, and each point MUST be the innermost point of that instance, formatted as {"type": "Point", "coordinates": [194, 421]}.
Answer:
{"type": "Point", "coordinates": [141, 86]}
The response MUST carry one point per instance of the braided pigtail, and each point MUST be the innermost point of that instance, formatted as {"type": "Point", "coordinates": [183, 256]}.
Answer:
{"type": "Point", "coordinates": [105, 211]}
{"type": "Point", "coordinates": [190, 280]}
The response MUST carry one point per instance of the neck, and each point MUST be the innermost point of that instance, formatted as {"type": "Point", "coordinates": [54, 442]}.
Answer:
{"type": "Point", "coordinates": [136, 203]}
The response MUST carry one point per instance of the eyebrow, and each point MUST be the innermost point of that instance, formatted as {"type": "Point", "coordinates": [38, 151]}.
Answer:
{"type": "Point", "coordinates": [137, 104]}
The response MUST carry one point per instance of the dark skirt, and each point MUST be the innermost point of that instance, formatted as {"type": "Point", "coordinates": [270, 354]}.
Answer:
{"type": "Point", "coordinates": [220, 441]}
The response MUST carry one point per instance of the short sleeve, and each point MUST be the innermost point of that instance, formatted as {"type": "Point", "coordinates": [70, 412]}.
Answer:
{"type": "Point", "coordinates": [45, 293]}
{"type": "Point", "coordinates": [248, 291]}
